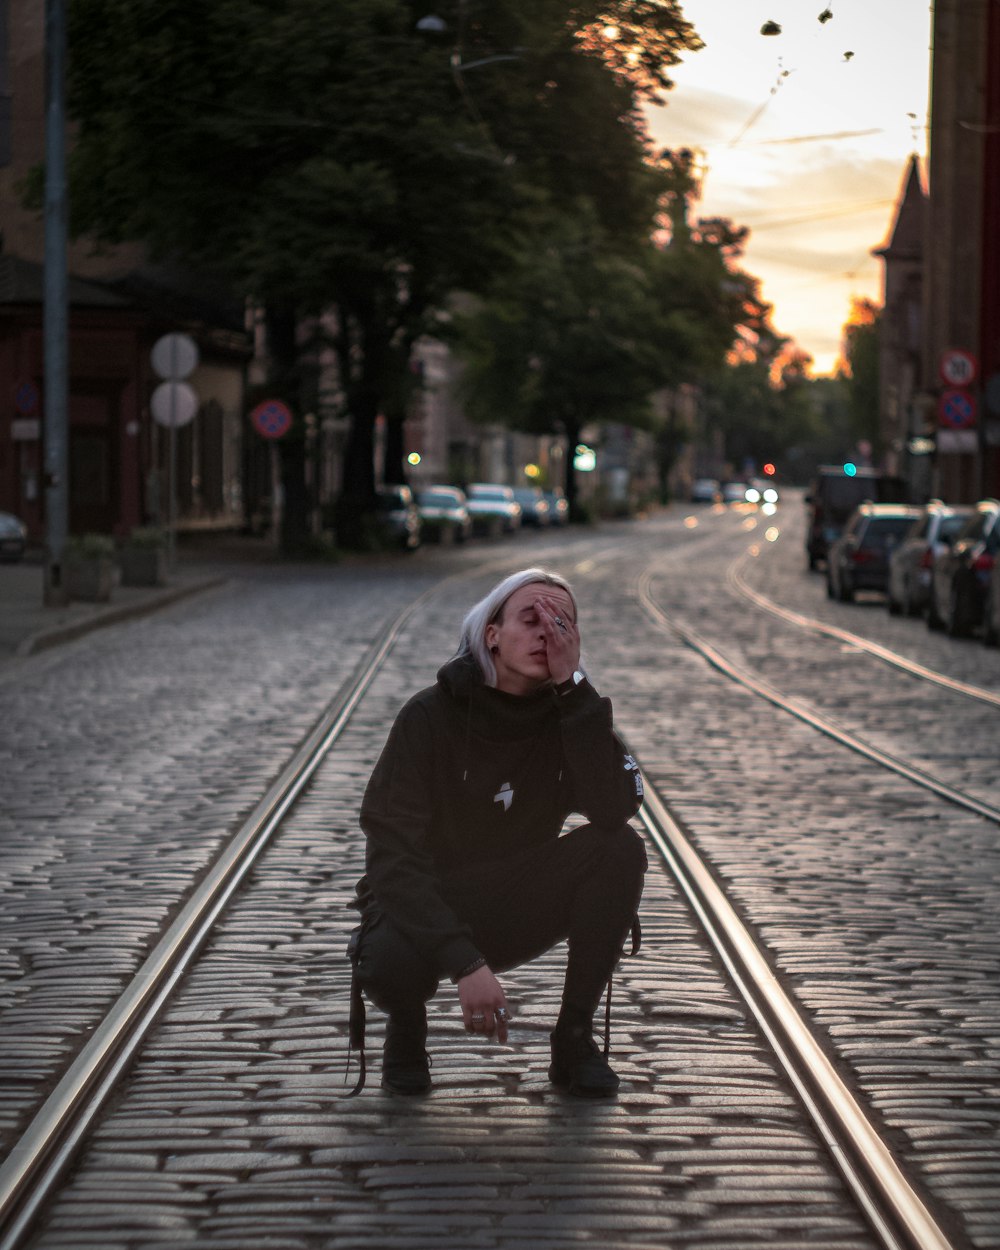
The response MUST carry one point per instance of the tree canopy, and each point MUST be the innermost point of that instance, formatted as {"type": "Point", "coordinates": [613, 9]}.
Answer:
{"type": "Point", "coordinates": [325, 157]}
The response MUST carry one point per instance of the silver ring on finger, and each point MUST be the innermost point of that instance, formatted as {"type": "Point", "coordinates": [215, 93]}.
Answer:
{"type": "Point", "coordinates": [501, 1015]}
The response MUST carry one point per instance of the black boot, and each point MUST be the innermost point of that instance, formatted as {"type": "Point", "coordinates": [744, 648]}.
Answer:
{"type": "Point", "coordinates": [405, 1062]}
{"type": "Point", "coordinates": [578, 1067]}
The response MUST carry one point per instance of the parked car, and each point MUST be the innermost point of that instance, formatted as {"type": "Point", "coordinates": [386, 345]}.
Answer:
{"type": "Point", "coordinates": [534, 506]}
{"type": "Point", "coordinates": [444, 508]}
{"type": "Point", "coordinates": [489, 501]}
{"type": "Point", "coordinates": [734, 492]}
{"type": "Point", "coordinates": [962, 574]}
{"type": "Point", "coordinates": [558, 507]}
{"type": "Point", "coordinates": [911, 564]}
{"type": "Point", "coordinates": [859, 559]}
{"type": "Point", "coordinates": [13, 537]}
{"type": "Point", "coordinates": [762, 490]}
{"type": "Point", "coordinates": [706, 490]}
{"type": "Point", "coordinates": [398, 515]}
{"type": "Point", "coordinates": [991, 610]}
{"type": "Point", "coordinates": [833, 496]}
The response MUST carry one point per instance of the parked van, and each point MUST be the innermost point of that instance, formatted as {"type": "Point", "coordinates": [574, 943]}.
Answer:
{"type": "Point", "coordinates": [834, 495]}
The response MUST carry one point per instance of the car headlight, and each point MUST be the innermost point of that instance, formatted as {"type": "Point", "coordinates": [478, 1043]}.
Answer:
{"type": "Point", "coordinates": [770, 495]}
{"type": "Point", "coordinates": [752, 495]}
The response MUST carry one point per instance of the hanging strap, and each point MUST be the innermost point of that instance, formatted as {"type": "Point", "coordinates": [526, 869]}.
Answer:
{"type": "Point", "coordinates": [356, 1036]}
{"type": "Point", "coordinates": [636, 934]}
{"type": "Point", "coordinates": [356, 1018]}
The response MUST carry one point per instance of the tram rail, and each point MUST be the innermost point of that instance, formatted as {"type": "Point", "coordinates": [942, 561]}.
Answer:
{"type": "Point", "coordinates": [894, 1210]}
{"type": "Point", "coordinates": [797, 708]}
{"type": "Point", "coordinates": [737, 581]}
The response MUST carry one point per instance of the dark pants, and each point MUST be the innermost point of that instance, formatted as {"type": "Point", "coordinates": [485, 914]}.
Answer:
{"type": "Point", "coordinates": [584, 887]}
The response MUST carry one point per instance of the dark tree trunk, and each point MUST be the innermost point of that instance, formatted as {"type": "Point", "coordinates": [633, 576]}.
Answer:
{"type": "Point", "coordinates": [400, 384]}
{"type": "Point", "coordinates": [284, 384]}
{"type": "Point", "coordinates": [572, 428]}
{"type": "Point", "coordinates": [355, 504]}
{"type": "Point", "coordinates": [393, 471]}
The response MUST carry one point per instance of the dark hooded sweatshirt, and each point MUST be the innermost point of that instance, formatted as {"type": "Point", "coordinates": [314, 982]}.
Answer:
{"type": "Point", "coordinates": [471, 775]}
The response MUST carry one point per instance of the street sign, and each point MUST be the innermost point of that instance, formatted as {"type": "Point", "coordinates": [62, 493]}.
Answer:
{"type": "Point", "coordinates": [272, 418]}
{"type": "Point", "coordinates": [958, 367]}
{"type": "Point", "coordinates": [173, 404]}
{"type": "Point", "coordinates": [27, 430]}
{"type": "Point", "coordinates": [26, 398]}
{"type": "Point", "coordinates": [174, 356]}
{"type": "Point", "coordinates": [958, 442]}
{"type": "Point", "coordinates": [956, 410]}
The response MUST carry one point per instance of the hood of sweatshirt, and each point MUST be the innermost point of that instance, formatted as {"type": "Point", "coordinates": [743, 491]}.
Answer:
{"type": "Point", "coordinates": [494, 714]}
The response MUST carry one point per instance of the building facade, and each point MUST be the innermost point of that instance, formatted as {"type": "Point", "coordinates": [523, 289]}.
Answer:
{"type": "Point", "coordinates": [961, 306]}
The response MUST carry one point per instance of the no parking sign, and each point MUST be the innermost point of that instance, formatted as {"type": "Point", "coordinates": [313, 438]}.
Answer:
{"type": "Point", "coordinates": [956, 410]}
{"type": "Point", "coordinates": [271, 418]}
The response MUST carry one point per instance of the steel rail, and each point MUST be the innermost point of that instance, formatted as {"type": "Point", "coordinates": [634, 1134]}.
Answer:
{"type": "Point", "coordinates": [895, 1211]}
{"type": "Point", "coordinates": [735, 578]}
{"type": "Point", "coordinates": [804, 713]}
{"type": "Point", "coordinates": [45, 1149]}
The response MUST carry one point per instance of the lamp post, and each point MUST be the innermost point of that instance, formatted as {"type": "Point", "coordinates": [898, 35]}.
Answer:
{"type": "Point", "coordinates": [432, 24]}
{"type": "Point", "coordinates": [55, 313]}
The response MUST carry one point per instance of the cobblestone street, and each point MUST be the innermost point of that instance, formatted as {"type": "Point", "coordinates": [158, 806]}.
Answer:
{"type": "Point", "coordinates": [132, 753]}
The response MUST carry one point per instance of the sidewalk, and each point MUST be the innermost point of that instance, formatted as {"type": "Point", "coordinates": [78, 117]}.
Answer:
{"type": "Point", "coordinates": [27, 626]}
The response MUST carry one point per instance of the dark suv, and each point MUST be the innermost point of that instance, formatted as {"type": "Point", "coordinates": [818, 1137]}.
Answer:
{"type": "Point", "coordinates": [859, 559]}
{"type": "Point", "coordinates": [833, 496]}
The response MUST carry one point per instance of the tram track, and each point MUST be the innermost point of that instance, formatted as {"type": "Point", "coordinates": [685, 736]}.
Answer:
{"type": "Point", "coordinates": [796, 707]}
{"type": "Point", "coordinates": [737, 582]}
{"type": "Point", "coordinates": [891, 1206]}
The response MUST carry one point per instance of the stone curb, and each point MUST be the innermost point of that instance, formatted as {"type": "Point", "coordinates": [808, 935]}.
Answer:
{"type": "Point", "coordinates": [46, 638]}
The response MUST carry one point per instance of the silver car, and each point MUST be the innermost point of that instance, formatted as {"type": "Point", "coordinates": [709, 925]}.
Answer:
{"type": "Point", "coordinates": [13, 537]}
{"type": "Point", "coordinates": [911, 565]}
{"type": "Point", "coordinates": [492, 504]}
{"type": "Point", "coordinates": [443, 510]}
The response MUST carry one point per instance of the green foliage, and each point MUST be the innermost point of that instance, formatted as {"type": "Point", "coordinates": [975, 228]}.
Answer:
{"type": "Point", "coordinates": [321, 155]}
{"type": "Point", "coordinates": [148, 536]}
{"type": "Point", "coordinates": [861, 350]}
{"type": "Point", "coordinates": [90, 547]}
{"type": "Point", "coordinates": [557, 344]}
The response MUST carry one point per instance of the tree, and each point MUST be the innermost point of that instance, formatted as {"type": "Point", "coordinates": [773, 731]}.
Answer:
{"type": "Point", "coordinates": [321, 157]}
{"type": "Point", "coordinates": [556, 345]}
{"type": "Point", "coordinates": [860, 370]}
{"type": "Point", "coordinates": [297, 184]}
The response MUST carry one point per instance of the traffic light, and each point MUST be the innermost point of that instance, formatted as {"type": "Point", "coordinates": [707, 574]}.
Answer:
{"type": "Point", "coordinates": [769, 469]}
{"type": "Point", "coordinates": [851, 469]}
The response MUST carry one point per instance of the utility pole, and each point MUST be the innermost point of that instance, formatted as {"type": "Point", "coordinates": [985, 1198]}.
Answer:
{"type": "Point", "coordinates": [56, 312]}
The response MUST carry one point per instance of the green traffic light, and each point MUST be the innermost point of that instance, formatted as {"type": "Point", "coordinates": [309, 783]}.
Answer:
{"type": "Point", "coordinates": [850, 469]}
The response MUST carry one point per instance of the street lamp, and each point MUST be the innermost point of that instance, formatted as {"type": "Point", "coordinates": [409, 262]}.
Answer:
{"type": "Point", "coordinates": [432, 24]}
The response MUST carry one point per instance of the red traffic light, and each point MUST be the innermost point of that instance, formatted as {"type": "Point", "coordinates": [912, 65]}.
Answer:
{"type": "Point", "coordinates": [769, 470]}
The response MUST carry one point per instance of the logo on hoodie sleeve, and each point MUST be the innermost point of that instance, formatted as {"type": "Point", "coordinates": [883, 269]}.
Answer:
{"type": "Point", "coordinates": [632, 767]}
{"type": "Point", "coordinates": [505, 795]}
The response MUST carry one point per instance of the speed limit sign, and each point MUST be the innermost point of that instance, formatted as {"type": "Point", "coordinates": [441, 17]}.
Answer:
{"type": "Point", "coordinates": [958, 367]}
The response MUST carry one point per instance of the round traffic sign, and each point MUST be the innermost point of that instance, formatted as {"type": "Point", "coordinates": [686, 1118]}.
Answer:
{"type": "Point", "coordinates": [173, 404]}
{"type": "Point", "coordinates": [957, 410]}
{"type": "Point", "coordinates": [958, 367]}
{"type": "Point", "coordinates": [26, 398]}
{"type": "Point", "coordinates": [271, 418]}
{"type": "Point", "coordinates": [174, 356]}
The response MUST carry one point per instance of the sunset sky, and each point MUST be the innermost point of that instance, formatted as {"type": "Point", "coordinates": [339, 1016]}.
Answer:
{"type": "Point", "coordinates": [805, 147]}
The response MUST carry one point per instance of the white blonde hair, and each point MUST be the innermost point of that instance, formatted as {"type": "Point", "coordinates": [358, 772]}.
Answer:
{"type": "Point", "coordinates": [489, 611]}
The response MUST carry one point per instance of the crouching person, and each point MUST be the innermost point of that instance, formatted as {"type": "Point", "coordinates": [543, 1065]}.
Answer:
{"type": "Point", "coordinates": [466, 874]}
